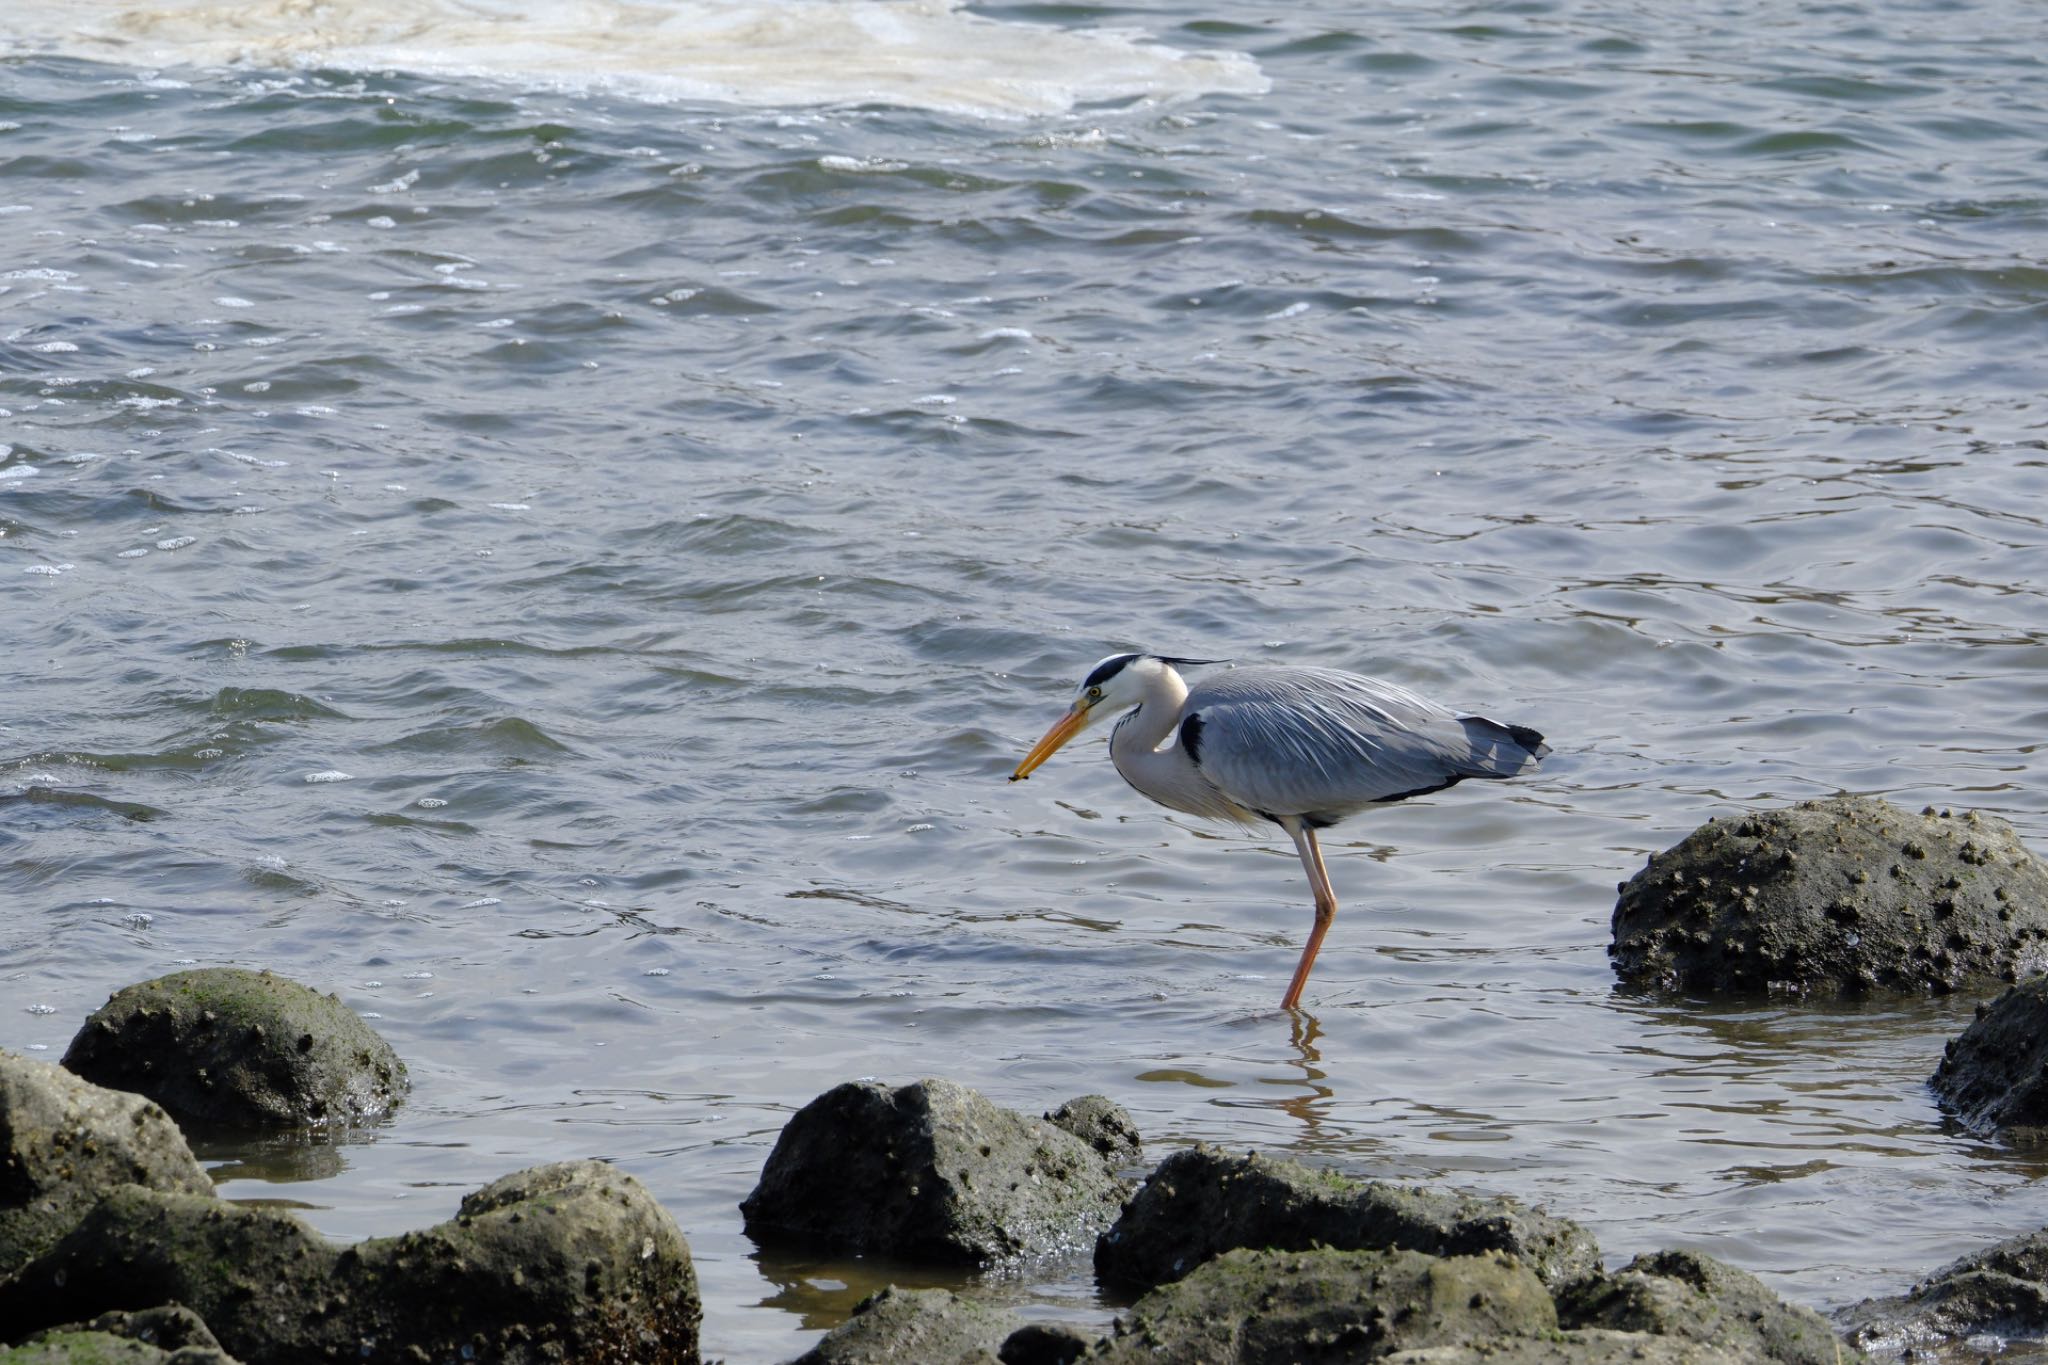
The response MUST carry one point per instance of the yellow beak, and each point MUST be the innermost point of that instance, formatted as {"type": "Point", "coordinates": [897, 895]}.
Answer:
{"type": "Point", "coordinates": [1063, 730]}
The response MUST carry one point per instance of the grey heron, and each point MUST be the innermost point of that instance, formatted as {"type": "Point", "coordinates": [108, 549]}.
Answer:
{"type": "Point", "coordinates": [1300, 747]}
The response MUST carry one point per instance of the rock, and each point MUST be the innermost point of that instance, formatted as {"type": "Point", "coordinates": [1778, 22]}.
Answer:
{"type": "Point", "coordinates": [1201, 1202]}
{"type": "Point", "coordinates": [1046, 1343]}
{"type": "Point", "coordinates": [1590, 1347]}
{"type": "Point", "coordinates": [931, 1172]}
{"type": "Point", "coordinates": [929, 1326]}
{"type": "Point", "coordinates": [152, 1336]}
{"type": "Point", "coordinates": [572, 1261]}
{"type": "Point", "coordinates": [1256, 1307]}
{"type": "Point", "coordinates": [103, 1348]}
{"type": "Point", "coordinates": [1846, 895]}
{"type": "Point", "coordinates": [1693, 1297]}
{"type": "Point", "coordinates": [64, 1142]}
{"type": "Point", "coordinates": [222, 1045]}
{"type": "Point", "coordinates": [1992, 1077]}
{"type": "Point", "coordinates": [1999, 1291]}
{"type": "Point", "coordinates": [1102, 1124]}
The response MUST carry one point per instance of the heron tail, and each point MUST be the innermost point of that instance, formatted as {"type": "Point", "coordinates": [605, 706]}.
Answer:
{"type": "Point", "coordinates": [1500, 750]}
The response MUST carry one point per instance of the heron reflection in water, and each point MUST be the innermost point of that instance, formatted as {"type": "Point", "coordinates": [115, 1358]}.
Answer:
{"type": "Point", "coordinates": [1302, 748]}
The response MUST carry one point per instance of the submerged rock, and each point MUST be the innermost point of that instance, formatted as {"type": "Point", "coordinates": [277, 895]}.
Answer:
{"type": "Point", "coordinates": [930, 1172]}
{"type": "Point", "coordinates": [1279, 1307]}
{"type": "Point", "coordinates": [572, 1261]}
{"type": "Point", "coordinates": [1201, 1202]}
{"type": "Point", "coordinates": [2000, 1291]}
{"type": "Point", "coordinates": [221, 1045]}
{"type": "Point", "coordinates": [64, 1142]}
{"type": "Point", "coordinates": [1994, 1075]}
{"type": "Point", "coordinates": [1691, 1297]}
{"type": "Point", "coordinates": [1850, 895]}
{"type": "Point", "coordinates": [929, 1326]}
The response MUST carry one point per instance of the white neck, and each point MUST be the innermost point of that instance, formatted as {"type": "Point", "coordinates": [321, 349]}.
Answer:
{"type": "Point", "coordinates": [1167, 775]}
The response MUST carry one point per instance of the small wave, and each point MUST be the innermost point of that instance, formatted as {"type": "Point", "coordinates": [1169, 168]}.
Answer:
{"type": "Point", "coordinates": [924, 54]}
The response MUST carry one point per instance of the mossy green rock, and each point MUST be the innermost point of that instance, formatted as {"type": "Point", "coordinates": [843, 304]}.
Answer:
{"type": "Point", "coordinates": [103, 1348]}
{"type": "Point", "coordinates": [1844, 896]}
{"type": "Point", "coordinates": [572, 1261]}
{"type": "Point", "coordinates": [929, 1326]}
{"type": "Point", "coordinates": [227, 1046]}
{"type": "Point", "coordinates": [152, 1336]}
{"type": "Point", "coordinates": [1591, 1347]}
{"type": "Point", "coordinates": [1689, 1296]}
{"type": "Point", "coordinates": [64, 1142]}
{"type": "Point", "coordinates": [1281, 1307]}
{"type": "Point", "coordinates": [1200, 1202]}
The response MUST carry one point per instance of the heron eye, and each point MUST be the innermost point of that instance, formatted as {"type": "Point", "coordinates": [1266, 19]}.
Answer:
{"type": "Point", "coordinates": [1095, 694]}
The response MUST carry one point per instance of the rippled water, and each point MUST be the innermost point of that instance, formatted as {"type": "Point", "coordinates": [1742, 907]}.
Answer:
{"type": "Point", "coordinates": [571, 574]}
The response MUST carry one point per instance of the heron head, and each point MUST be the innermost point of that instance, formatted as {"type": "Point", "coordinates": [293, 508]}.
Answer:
{"type": "Point", "coordinates": [1112, 687]}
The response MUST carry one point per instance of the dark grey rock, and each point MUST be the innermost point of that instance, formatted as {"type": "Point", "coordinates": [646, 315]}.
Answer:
{"type": "Point", "coordinates": [1992, 1076]}
{"type": "Point", "coordinates": [151, 1336]}
{"type": "Point", "coordinates": [64, 1142]}
{"type": "Point", "coordinates": [929, 1326]}
{"type": "Point", "coordinates": [221, 1045]}
{"type": "Point", "coordinates": [1847, 895]}
{"type": "Point", "coordinates": [572, 1261]}
{"type": "Point", "coordinates": [1280, 1307]}
{"type": "Point", "coordinates": [1103, 1124]}
{"type": "Point", "coordinates": [930, 1172]}
{"type": "Point", "coordinates": [2000, 1291]}
{"type": "Point", "coordinates": [1693, 1297]}
{"type": "Point", "coordinates": [1201, 1202]}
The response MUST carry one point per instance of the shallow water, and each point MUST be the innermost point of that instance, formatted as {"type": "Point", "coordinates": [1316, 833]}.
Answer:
{"type": "Point", "coordinates": [570, 571]}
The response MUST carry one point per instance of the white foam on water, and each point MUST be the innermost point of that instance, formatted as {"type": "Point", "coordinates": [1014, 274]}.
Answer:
{"type": "Point", "coordinates": [871, 165]}
{"type": "Point", "coordinates": [926, 54]}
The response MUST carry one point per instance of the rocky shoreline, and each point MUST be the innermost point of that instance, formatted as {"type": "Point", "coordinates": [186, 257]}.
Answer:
{"type": "Point", "coordinates": [113, 1245]}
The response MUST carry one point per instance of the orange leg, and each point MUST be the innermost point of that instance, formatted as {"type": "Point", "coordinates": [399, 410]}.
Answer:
{"type": "Point", "coordinates": [1304, 837]}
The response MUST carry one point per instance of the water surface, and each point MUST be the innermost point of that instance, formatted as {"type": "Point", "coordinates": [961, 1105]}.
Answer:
{"type": "Point", "coordinates": [569, 566]}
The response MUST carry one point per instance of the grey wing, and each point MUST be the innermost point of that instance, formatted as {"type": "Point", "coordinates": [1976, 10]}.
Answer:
{"type": "Point", "coordinates": [1315, 742]}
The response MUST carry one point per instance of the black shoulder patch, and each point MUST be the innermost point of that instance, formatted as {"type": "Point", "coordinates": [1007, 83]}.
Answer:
{"type": "Point", "coordinates": [1108, 669]}
{"type": "Point", "coordinates": [1191, 737]}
